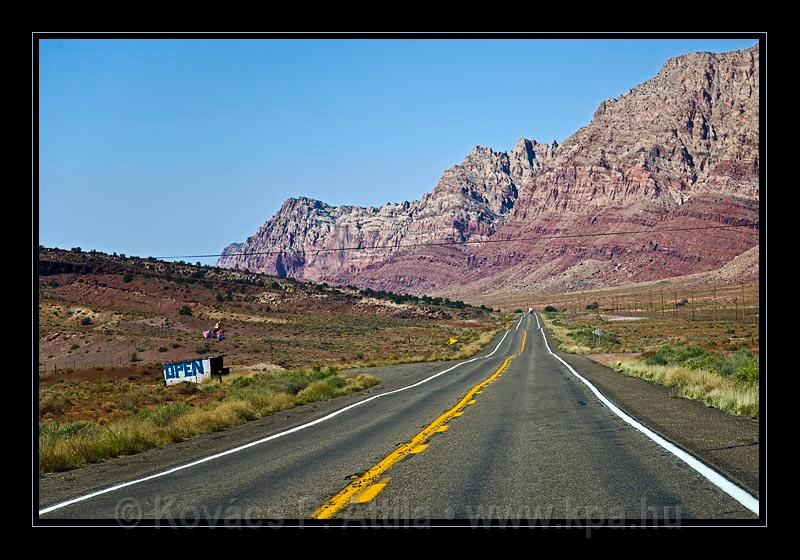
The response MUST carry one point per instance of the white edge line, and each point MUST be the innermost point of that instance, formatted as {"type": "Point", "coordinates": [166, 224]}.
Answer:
{"type": "Point", "coordinates": [731, 489]}
{"type": "Point", "coordinates": [266, 439]}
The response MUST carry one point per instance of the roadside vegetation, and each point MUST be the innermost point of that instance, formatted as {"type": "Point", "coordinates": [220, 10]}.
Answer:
{"type": "Point", "coordinates": [714, 362]}
{"type": "Point", "coordinates": [727, 381]}
{"type": "Point", "coordinates": [188, 410]}
{"type": "Point", "coordinates": [107, 323]}
{"type": "Point", "coordinates": [92, 415]}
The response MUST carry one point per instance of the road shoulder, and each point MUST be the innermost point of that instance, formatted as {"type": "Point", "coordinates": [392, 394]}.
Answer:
{"type": "Point", "coordinates": [730, 444]}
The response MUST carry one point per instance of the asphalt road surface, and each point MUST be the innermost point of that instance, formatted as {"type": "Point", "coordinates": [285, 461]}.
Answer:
{"type": "Point", "coordinates": [515, 435]}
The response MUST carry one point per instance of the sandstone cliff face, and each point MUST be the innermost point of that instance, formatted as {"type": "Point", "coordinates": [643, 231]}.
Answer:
{"type": "Point", "coordinates": [469, 202]}
{"type": "Point", "coordinates": [680, 150]}
{"type": "Point", "coordinates": [691, 129]}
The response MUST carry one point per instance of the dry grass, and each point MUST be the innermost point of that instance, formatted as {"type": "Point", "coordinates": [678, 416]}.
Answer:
{"type": "Point", "coordinates": [283, 339]}
{"type": "Point", "coordinates": [86, 421]}
{"type": "Point", "coordinates": [710, 362]}
{"type": "Point", "coordinates": [471, 348]}
{"type": "Point", "coordinates": [73, 444]}
{"type": "Point", "coordinates": [705, 386]}
{"type": "Point", "coordinates": [471, 342]}
{"type": "Point", "coordinates": [561, 333]}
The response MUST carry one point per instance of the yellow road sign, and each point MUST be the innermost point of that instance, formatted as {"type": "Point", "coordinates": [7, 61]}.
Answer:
{"type": "Point", "coordinates": [453, 340]}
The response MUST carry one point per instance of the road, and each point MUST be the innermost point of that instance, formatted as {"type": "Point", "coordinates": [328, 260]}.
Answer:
{"type": "Point", "coordinates": [512, 435]}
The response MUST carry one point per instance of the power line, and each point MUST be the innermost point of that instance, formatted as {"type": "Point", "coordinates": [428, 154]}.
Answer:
{"type": "Point", "coordinates": [451, 243]}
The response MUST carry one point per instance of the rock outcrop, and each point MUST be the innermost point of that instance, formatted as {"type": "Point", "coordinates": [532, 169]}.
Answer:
{"type": "Point", "coordinates": [679, 151]}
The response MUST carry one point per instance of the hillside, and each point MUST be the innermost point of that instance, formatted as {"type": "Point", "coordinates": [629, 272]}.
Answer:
{"type": "Point", "coordinates": [678, 151]}
{"type": "Point", "coordinates": [98, 310]}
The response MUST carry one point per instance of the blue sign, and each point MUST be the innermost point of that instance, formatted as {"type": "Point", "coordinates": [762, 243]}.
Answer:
{"type": "Point", "coordinates": [191, 370]}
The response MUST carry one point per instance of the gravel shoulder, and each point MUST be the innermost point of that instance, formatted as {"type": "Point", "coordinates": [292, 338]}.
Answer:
{"type": "Point", "coordinates": [730, 444]}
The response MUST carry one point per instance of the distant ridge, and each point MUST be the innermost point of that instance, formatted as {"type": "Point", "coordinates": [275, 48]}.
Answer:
{"type": "Point", "coordinates": [680, 150]}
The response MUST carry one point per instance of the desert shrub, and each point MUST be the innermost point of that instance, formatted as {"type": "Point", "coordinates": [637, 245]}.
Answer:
{"type": "Point", "coordinates": [747, 372]}
{"type": "Point", "coordinates": [702, 385]}
{"type": "Point", "coordinates": [550, 309]}
{"type": "Point", "coordinates": [679, 354]}
{"type": "Point", "coordinates": [293, 381]}
{"type": "Point", "coordinates": [242, 382]}
{"type": "Point", "coordinates": [127, 278]}
{"type": "Point", "coordinates": [361, 382]}
{"type": "Point", "coordinates": [185, 310]}
{"type": "Point", "coordinates": [162, 415]}
{"type": "Point", "coordinates": [322, 390]}
{"type": "Point", "coordinates": [55, 405]}
{"type": "Point", "coordinates": [586, 337]}
{"type": "Point", "coordinates": [67, 446]}
{"type": "Point", "coordinates": [62, 430]}
{"type": "Point", "coordinates": [86, 321]}
{"type": "Point", "coordinates": [162, 348]}
{"type": "Point", "coordinates": [741, 365]}
{"type": "Point", "coordinates": [57, 451]}
{"type": "Point", "coordinates": [593, 305]}
{"type": "Point", "coordinates": [185, 388]}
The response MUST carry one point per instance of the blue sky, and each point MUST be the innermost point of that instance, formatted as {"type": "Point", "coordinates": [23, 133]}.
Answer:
{"type": "Point", "coordinates": [172, 147]}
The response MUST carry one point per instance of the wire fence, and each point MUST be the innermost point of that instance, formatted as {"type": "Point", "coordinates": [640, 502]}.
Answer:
{"type": "Point", "coordinates": [130, 355]}
{"type": "Point", "coordinates": [728, 303]}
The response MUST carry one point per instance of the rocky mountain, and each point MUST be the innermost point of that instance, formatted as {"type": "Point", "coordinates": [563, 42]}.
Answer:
{"type": "Point", "coordinates": [680, 151]}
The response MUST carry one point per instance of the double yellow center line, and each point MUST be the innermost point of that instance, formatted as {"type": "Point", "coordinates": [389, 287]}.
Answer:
{"type": "Point", "coordinates": [364, 486]}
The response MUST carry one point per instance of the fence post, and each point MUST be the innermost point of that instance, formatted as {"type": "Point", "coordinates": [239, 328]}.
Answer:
{"type": "Point", "coordinates": [714, 300]}
{"type": "Point", "coordinates": [743, 307]}
{"type": "Point", "coordinates": [675, 297]}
